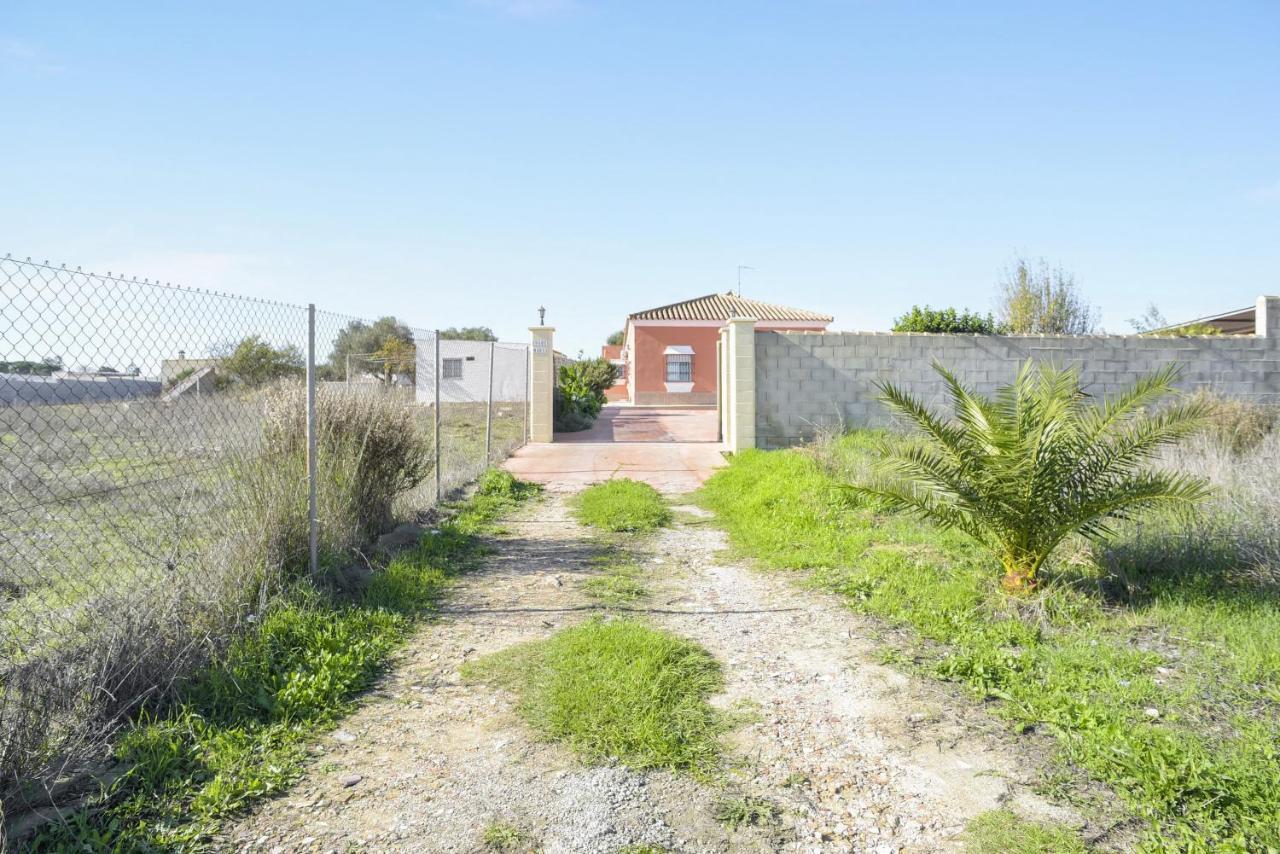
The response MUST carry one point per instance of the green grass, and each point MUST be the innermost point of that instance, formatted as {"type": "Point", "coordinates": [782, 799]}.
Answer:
{"type": "Point", "coordinates": [239, 729]}
{"type": "Point", "coordinates": [1171, 697]}
{"type": "Point", "coordinates": [616, 689]}
{"type": "Point", "coordinates": [623, 505]}
{"type": "Point", "coordinates": [1002, 832]}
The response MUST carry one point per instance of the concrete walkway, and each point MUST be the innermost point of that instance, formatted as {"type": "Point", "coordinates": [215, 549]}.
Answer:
{"type": "Point", "coordinates": [674, 450]}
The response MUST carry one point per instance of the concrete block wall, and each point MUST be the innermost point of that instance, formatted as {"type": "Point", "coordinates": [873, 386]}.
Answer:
{"type": "Point", "coordinates": [805, 381]}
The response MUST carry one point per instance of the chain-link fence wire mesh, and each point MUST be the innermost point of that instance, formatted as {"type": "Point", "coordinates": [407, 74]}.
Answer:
{"type": "Point", "coordinates": [510, 400]}
{"type": "Point", "coordinates": [155, 484]}
{"type": "Point", "coordinates": [481, 389]}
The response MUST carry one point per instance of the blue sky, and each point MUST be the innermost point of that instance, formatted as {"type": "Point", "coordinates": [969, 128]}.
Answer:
{"type": "Point", "coordinates": [462, 162]}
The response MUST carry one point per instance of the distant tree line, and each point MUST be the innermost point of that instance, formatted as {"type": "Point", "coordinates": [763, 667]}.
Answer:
{"type": "Point", "coordinates": [29, 368]}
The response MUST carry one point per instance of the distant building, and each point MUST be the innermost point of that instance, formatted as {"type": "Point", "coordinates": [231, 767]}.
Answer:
{"type": "Point", "coordinates": [670, 351]}
{"type": "Point", "coordinates": [464, 372]}
{"type": "Point", "coordinates": [172, 369]}
{"type": "Point", "coordinates": [1252, 320]}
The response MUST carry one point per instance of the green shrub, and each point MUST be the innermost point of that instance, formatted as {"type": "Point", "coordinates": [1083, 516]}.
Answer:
{"type": "Point", "coordinates": [616, 689]}
{"type": "Point", "coordinates": [623, 505]}
{"type": "Point", "coordinates": [946, 320]}
{"type": "Point", "coordinates": [573, 415]}
{"type": "Point", "coordinates": [1038, 462]}
{"type": "Point", "coordinates": [579, 394]}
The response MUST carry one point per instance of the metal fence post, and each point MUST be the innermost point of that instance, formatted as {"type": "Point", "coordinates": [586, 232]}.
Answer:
{"type": "Point", "coordinates": [528, 393]}
{"type": "Point", "coordinates": [488, 415]}
{"type": "Point", "coordinates": [439, 374]}
{"type": "Point", "coordinates": [312, 479]}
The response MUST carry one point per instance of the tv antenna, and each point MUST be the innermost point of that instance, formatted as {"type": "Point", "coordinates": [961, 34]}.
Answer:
{"type": "Point", "coordinates": [742, 267]}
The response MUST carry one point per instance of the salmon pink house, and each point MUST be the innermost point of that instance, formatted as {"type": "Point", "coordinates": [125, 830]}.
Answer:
{"type": "Point", "coordinates": [669, 356]}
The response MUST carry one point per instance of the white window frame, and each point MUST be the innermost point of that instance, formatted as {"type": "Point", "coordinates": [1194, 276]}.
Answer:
{"type": "Point", "coordinates": [679, 359]}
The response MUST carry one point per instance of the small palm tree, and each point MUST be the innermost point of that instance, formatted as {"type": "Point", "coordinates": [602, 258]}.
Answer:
{"type": "Point", "coordinates": [1035, 463]}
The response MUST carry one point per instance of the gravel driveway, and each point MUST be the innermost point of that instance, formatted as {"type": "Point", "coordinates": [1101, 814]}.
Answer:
{"type": "Point", "coordinates": [857, 756]}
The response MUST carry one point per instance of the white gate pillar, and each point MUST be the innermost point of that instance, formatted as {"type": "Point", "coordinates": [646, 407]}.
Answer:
{"type": "Point", "coordinates": [740, 397]}
{"type": "Point", "coordinates": [542, 382]}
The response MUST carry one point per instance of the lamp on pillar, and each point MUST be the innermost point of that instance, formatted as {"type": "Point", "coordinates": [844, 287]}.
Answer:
{"type": "Point", "coordinates": [542, 316]}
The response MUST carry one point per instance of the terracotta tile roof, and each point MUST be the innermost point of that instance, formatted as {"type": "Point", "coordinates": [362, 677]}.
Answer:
{"type": "Point", "coordinates": [727, 305]}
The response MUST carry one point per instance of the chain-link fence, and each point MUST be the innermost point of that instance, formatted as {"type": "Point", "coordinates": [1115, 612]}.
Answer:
{"type": "Point", "coordinates": [172, 457]}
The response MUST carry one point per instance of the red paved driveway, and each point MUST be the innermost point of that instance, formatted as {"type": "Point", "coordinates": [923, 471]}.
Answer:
{"type": "Point", "coordinates": [649, 424]}
{"type": "Point", "coordinates": [674, 450]}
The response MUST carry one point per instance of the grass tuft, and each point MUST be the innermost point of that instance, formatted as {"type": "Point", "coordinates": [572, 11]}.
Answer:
{"type": "Point", "coordinates": [623, 505]}
{"type": "Point", "coordinates": [616, 689]}
{"type": "Point", "coordinates": [1003, 832]}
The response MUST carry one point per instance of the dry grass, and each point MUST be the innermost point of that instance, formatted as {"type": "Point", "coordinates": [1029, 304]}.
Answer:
{"type": "Point", "coordinates": [90, 639]}
{"type": "Point", "coordinates": [1238, 426]}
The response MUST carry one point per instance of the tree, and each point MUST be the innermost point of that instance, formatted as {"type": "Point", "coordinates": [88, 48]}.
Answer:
{"type": "Point", "coordinates": [1152, 321]}
{"type": "Point", "coordinates": [254, 362]}
{"type": "Point", "coordinates": [1023, 470]}
{"type": "Point", "coordinates": [945, 320]}
{"type": "Point", "coordinates": [468, 333]}
{"type": "Point", "coordinates": [396, 357]}
{"type": "Point", "coordinates": [358, 338]}
{"type": "Point", "coordinates": [1039, 299]}
{"type": "Point", "coordinates": [619, 337]}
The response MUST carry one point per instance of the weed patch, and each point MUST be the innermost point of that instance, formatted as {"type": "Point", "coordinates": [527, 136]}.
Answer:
{"type": "Point", "coordinates": [1167, 691]}
{"type": "Point", "coordinates": [619, 584]}
{"type": "Point", "coordinates": [616, 689]}
{"type": "Point", "coordinates": [504, 837]}
{"type": "Point", "coordinates": [623, 505]}
{"type": "Point", "coordinates": [746, 811]}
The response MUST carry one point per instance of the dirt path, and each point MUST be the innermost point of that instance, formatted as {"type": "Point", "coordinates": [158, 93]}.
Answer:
{"type": "Point", "coordinates": [857, 756]}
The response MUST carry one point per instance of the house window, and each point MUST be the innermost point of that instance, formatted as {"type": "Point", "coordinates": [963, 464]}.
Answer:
{"type": "Point", "coordinates": [451, 369]}
{"type": "Point", "coordinates": [679, 368]}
